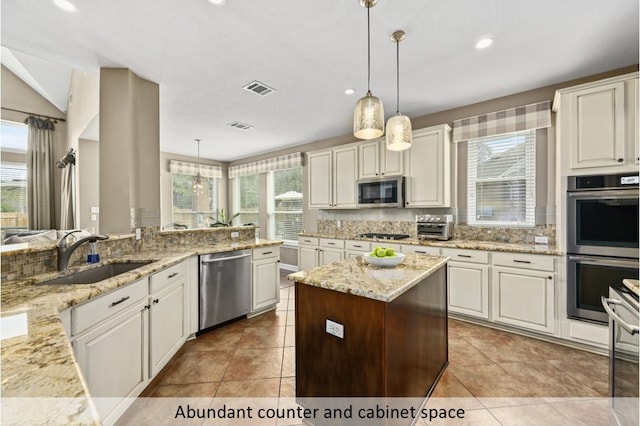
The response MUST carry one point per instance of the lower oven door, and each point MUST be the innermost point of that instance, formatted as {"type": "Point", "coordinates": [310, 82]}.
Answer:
{"type": "Point", "coordinates": [622, 309]}
{"type": "Point", "coordinates": [589, 278]}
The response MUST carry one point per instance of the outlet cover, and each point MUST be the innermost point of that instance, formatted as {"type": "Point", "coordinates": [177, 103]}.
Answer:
{"type": "Point", "coordinates": [542, 240]}
{"type": "Point", "coordinates": [138, 233]}
{"type": "Point", "coordinates": [335, 329]}
{"type": "Point", "coordinates": [235, 234]}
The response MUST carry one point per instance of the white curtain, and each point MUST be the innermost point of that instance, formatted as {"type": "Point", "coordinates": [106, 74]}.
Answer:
{"type": "Point", "coordinates": [67, 219]}
{"type": "Point", "coordinates": [40, 203]}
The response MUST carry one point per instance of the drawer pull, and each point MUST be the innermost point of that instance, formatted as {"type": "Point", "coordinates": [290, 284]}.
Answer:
{"type": "Point", "coordinates": [267, 252]}
{"type": "Point", "coordinates": [424, 252]}
{"type": "Point", "coordinates": [173, 275]}
{"type": "Point", "coordinates": [119, 301]}
{"type": "Point", "coordinates": [307, 241]}
{"type": "Point", "coordinates": [521, 261]}
{"type": "Point", "coordinates": [332, 244]}
{"type": "Point", "coordinates": [357, 245]}
{"type": "Point", "coordinates": [464, 255]}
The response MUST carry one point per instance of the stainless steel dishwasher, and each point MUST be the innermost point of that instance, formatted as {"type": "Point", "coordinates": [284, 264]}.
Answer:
{"type": "Point", "coordinates": [225, 287]}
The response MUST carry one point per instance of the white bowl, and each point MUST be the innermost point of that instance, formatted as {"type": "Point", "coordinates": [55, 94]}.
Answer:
{"type": "Point", "coordinates": [384, 262]}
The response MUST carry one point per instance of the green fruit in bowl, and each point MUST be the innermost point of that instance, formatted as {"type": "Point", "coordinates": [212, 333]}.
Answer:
{"type": "Point", "coordinates": [380, 251]}
{"type": "Point", "coordinates": [391, 252]}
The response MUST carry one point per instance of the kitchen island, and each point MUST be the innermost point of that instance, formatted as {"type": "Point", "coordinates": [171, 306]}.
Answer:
{"type": "Point", "coordinates": [366, 331]}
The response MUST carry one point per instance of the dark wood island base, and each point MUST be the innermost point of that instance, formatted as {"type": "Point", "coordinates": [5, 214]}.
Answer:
{"type": "Point", "coordinates": [394, 348]}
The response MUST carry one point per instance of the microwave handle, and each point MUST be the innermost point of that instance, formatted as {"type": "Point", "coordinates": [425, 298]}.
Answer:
{"type": "Point", "coordinates": [632, 329]}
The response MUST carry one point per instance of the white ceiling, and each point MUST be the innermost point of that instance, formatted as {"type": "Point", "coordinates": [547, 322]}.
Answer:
{"type": "Point", "coordinates": [202, 55]}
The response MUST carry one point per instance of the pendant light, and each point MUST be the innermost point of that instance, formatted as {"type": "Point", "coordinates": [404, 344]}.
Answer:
{"type": "Point", "coordinates": [399, 135]}
{"type": "Point", "coordinates": [198, 184]}
{"type": "Point", "coordinates": [368, 117]}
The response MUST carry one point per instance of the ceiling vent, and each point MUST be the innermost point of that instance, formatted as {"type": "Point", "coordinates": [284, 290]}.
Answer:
{"type": "Point", "coordinates": [259, 88]}
{"type": "Point", "coordinates": [240, 126]}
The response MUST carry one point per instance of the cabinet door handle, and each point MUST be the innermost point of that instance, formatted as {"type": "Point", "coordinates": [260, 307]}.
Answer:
{"type": "Point", "coordinates": [267, 252]}
{"type": "Point", "coordinates": [155, 301]}
{"type": "Point", "coordinates": [521, 261]}
{"type": "Point", "coordinates": [119, 301]}
{"type": "Point", "coordinates": [173, 275]}
{"type": "Point", "coordinates": [620, 160]}
{"type": "Point", "coordinates": [464, 255]}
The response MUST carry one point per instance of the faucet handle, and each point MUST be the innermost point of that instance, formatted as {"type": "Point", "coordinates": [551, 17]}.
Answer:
{"type": "Point", "coordinates": [63, 241]}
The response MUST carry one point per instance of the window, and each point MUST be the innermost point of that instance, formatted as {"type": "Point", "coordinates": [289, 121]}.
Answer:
{"type": "Point", "coordinates": [285, 205]}
{"type": "Point", "coordinates": [190, 208]}
{"type": "Point", "coordinates": [246, 199]}
{"type": "Point", "coordinates": [13, 175]}
{"type": "Point", "coordinates": [501, 180]}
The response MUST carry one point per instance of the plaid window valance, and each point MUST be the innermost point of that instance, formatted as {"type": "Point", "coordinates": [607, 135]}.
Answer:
{"type": "Point", "coordinates": [270, 164]}
{"type": "Point", "coordinates": [185, 168]}
{"type": "Point", "coordinates": [532, 116]}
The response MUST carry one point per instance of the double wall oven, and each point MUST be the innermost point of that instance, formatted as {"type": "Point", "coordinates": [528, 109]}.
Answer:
{"type": "Point", "coordinates": [602, 240]}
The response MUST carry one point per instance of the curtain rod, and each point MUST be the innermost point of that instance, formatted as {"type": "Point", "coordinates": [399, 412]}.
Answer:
{"type": "Point", "coordinates": [33, 113]}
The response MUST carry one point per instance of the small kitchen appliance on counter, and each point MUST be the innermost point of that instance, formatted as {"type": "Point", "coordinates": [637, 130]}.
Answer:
{"type": "Point", "coordinates": [434, 226]}
{"type": "Point", "coordinates": [382, 236]}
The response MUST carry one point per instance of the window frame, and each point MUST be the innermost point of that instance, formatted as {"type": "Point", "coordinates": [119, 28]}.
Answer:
{"type": "Point", "coordinates": [271, 205]}
{"type": "Point", "coordinates": [529, 177]}
{"type": "Point", "coordinates": [214, 198]}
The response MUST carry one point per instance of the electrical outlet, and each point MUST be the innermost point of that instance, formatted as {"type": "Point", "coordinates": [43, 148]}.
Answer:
{"type": "Point", "coordinates": [235, 234]}
{"type": "Point", "coordinates": [542, 240]}
{"type": "Point", "coordinates": [138, 233]}
{"type": "Point", "coordinates": [335, 329]}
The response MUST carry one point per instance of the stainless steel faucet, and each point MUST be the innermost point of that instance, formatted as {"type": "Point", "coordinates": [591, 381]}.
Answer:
{"type": "Point", "coordinates": [65, 252]}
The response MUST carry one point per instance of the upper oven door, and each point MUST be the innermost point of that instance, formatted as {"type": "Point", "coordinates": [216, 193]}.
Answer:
{"type": "Point", "coordinates": [603, 223]}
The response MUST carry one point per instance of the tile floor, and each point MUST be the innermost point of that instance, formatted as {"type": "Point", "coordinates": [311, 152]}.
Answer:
{"type": "Point", "coordinates": [497, 377]}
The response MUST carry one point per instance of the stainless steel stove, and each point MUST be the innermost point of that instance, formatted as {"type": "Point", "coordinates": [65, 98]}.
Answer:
{"type": "Point", "coordinates": [382, 236]}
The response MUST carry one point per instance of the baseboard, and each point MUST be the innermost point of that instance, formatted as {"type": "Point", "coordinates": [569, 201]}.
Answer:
{"type": "Point", "coordinates": [287, 267]}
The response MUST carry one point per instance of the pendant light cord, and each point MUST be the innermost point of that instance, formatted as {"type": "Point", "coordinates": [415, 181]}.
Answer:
{"type": "Point", "coordinates": [368, 50]}
{"type": "Point", "coordinates": [397, 77]}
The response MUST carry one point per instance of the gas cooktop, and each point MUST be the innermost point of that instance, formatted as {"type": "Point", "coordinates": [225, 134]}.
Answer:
{"type": "Point", "coordinates": [384, 236]}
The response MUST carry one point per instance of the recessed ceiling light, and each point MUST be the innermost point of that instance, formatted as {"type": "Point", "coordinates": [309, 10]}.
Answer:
{"type": "Point", "coordinates": [349, 92]}
{"type": "Point", "coordinates": [65, 5]}
{"type": "Point", "coordinates": [218, 2]}
{"type": "Point", "coordinates": [484, 43]}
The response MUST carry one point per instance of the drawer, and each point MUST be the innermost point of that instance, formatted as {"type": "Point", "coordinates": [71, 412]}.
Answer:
{"type": "Point", "coordinates": [331, 243]}
{"type": "Point", "coordinates": [167, 276]}
{"type": "Point", "coordinates": [528, 261]}
{"type": "Point", "coordinates": [433, 251]}
{"type": "Point", "coordinates": [307, 241]}
{"type": "Point", "coordinates": [475, 256]}
{"type": "Point", "coordinates": [266, 252]}
{"type": "Point", "coordinates": [91, 313]}
{"type": "Point", "coordinates": [358, 245]}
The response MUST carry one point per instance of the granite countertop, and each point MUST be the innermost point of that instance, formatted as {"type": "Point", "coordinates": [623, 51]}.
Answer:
{"type": "Point", "coordinates": [454, 243]}
{"type": "Point", "coordinates": [40, 363]}
{"type": "Point", "coordinates": [357, 277]}
{"type": "Point", "coordinates": [633, 285]}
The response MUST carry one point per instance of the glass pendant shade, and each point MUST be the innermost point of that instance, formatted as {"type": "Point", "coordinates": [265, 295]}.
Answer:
{"type": "Point", "coordinates": [399, 133]}
{"type": "Point", "coordinates": [197, 184]}
{"type": "Point", "coordinates": [368, 117]}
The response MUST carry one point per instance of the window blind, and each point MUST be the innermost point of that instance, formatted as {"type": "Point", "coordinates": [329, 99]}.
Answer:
{"type": "Point", "coordinates": [285, 206]}
{"type": "Point", "coordinates": [501, 180]}
{"type": "Point", "coordinates": [270, 164]}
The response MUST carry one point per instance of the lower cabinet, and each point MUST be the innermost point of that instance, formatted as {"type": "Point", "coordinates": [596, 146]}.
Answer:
{"type": "Point", "coordinates": [114, 360]}
{"type": "Point", "coordinates": [307, 253]}
{"type": "Point", "coordinates": [266, 278]}
{"type": "Point", "coordinates": [469, 289]}
{"type": "Point", "coordinates": [355, 248]}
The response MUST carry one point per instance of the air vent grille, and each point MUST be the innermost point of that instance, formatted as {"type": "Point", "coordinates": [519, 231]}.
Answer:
{"type": "Point", "coordinates": [259, 88]}
{"type": "Point", "coordinates": [240, 126]}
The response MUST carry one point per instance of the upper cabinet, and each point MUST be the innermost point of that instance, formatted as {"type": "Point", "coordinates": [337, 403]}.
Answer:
{"type": "Point", "coordinates": [374, 160]}
{"type": "Point", "coordinates": [598, 124]}
{"type": "Point", "coordinates": [332, 178]}
{"type": "Point", "coordinates": [428, 168]}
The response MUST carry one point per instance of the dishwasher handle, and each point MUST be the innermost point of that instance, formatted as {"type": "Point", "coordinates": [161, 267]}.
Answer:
{"type": "Point", "coordinates": [222, 259]}
{"type": "Point", "coordinates": [631, 329]}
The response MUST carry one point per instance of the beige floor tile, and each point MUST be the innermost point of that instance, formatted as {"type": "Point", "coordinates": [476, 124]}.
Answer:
{"type": "Point", "coordinates": [249, 388]}
{"type": "Point", "coordinates": [547, 381]}
{"type": "Point", "coordinates": [249, 364]}
{"type": "Point", "coordinates": [262, 337]}
{"type": "Point", "coordinates": [291, 318]}
{"type": "Point", "coordinates": [190, 390]}
{"type": "Point", "coordinates": [288, 387]}
{"type": "Point", "coordinates": [490, 381]}
{"type": "Point", "coordinates": [471, 418]}
{"type": "Point", "coordinates": [269, 319]}
{"type": "Point", "coordinates": [586, 412]}
{"type": "Point", "coordinates": [592, 372]}
{"type": "Point", "coordinates": [198, 367]}
{"type": "Point", "coordinates": [502, 347]}
{"type": "Point", "coordinates": [450, 393]}
{"type": "Point", "coordinates": [290, 336]}
{"type": "Point", "coordinates": [222, 339]}
{"type": "Point", "coordinates": [530, 415]}
{"type": "Point", "coordinates": [462, 352]}
{"type": "Point", "coordinates": [289, 362]}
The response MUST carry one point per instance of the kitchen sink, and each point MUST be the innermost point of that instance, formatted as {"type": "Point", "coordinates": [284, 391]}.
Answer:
{"type": "Point", "coordinates": [95, 275]}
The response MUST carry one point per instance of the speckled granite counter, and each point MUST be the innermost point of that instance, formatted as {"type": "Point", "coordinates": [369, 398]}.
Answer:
{"type": "Point", "coordinates": [454, 243]}
{"type": "Point", "coordinates": [39, 368]}
{"type": "Point", "coordinates": [356, 277]}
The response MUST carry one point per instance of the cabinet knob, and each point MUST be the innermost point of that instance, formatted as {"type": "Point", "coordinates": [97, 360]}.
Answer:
{"type": "Point", "coordinates": [550, 277]}
{"type": "Point", "coordinates": [620, 160]}
{"type": "Point", "coordinates": [156, 301]}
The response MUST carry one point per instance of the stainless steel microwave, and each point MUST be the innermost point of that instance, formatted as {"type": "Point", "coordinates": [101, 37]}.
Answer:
{"type": "Point", "coordinates": [383, 192]}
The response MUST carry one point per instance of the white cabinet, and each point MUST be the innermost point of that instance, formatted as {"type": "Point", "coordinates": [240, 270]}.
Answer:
{"type": "Point", "coordinates": [168, 315]}
{"type": "Point", "coordinates": [523, 294]}
{"type": "Point", "coordinates": [355, 248]}
{"type": "Point", "coordinates": [330, 250]}
{"type": "Point", "coordinates": [598, 124]}
{"type": "Point", "coordinates": [265, 292]}
{"type": "Point", "coordinates": [374, 160]}
{"type": "Point", "coordinates": [410, 248]}
{"type": "Point", "coordinates": [113, 359]}
{"type": "Point", "coordinates": [307, 253]}
{"type": "Point", "coordinates": [468, 276]}
{"type": "Point", "coordinates": [428, 168]}
{"type": "Point", "coordinates": [332, 178]}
